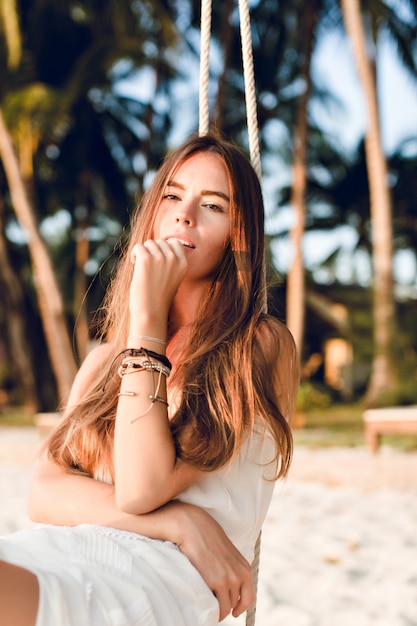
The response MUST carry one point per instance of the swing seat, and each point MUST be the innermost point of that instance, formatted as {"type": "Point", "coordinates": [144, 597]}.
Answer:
{"type": "Point", "coordinates": [396, 420]}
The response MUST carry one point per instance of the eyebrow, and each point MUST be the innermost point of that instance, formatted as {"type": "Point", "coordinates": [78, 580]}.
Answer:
{"type": "Point", "coordinates": [204, 192]}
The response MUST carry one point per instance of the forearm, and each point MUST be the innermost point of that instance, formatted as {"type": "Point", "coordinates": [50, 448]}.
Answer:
{"type": "Point", "coordinates": [60, 498]}
{"type": "Point", "coordinates": [144, 452]}
{"type": "Point", "coordinates": [147, 472]}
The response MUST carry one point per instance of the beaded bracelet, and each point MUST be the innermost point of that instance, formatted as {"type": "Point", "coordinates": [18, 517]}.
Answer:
{"type": "Point", "coordinates": [130, 367]}
{"type": "Point", "coordinates": [147, 353]}
{"type": "Point", "coordinates": [144, 352]}
{"type": "Point", "coordinates": [153, 397]}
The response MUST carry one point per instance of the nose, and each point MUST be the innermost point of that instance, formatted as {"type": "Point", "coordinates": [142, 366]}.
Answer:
{"type": "Point", "coordinates": [183, 219]}
{"type": "Point", "coordinates": [185, 214]}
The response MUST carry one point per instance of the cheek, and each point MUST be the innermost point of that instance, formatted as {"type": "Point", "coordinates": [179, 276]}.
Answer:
{"type": "Point", "coordinates": [156, 228]}
{"type": "Point", "coordinates": [219, 248]}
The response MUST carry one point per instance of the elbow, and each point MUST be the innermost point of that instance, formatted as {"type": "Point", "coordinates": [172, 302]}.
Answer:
{"type": "Point", "coordinates": [138, 503]}
{"type": "Point", "coordinates": [145, 492]}
{"type": "Point", "coordinates": [134, 508]}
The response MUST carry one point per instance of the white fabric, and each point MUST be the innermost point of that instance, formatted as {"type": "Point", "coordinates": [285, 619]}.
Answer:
{"type": "Point", "coordinates": [96, 576]}
{"type": "Point", "coordinates": [238, 495]}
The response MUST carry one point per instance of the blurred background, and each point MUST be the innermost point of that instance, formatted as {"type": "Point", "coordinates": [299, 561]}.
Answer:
{"type": "Point", "coordinates": [93, 93]}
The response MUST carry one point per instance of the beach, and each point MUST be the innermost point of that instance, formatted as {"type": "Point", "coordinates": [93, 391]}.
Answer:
{"type": "Point", "coordinates": [339, 545]}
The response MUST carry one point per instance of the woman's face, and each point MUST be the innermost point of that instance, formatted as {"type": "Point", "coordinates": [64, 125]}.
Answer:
{"type": "Point", "coordinates": [196, 210]}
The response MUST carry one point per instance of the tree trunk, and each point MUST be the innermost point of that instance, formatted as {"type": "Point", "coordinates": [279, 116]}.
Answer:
{"type": "Point", "coordinates": [296, 278]}
{"type": "Point", "coordinates": [16, 339]}
{"type": "Point", "coordinates": [226, 41]}
{"type": "Point", "coordinates": [383, 373]}
{"type": "Point", "coordinates": [80, 305]}
{"type": "Point", "coordinates": [49, 298]}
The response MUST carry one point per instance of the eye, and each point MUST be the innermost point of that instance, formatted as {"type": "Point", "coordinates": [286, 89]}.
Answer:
{"type": "Point", "coordinates": [214, 207]}
{"type": "Point", "coordinates": [171, 196]}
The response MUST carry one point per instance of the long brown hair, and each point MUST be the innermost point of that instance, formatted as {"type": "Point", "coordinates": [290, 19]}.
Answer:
{"type": "Point", "coordinates": [230, 370]}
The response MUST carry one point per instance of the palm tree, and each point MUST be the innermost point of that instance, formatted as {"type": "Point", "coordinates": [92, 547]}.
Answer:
{"type": "Point", "coordinates": [14, 335]}
{"type": "Point", "coordinates": [276, 33]}
{"type": "Point", "coordinates": [49, 297]}
{"type": "Point", "coordinates": [295, 279]}
{"type": "Point", "coordinates": [383, 372]}
{"type": "Point", "coordinates": [61, 98]}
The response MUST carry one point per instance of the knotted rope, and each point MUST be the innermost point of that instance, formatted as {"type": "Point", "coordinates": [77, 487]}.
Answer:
{"type": "Point", "coordinates": [203, 125]}
{"type": "Point", "coordinates": [248, 75]}
{"type": "Point", "coordinates": [253, 135]}
{"type": "Point", "coordinates": [249, 79]}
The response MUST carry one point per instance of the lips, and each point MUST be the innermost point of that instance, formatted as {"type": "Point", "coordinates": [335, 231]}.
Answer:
{"type": "Point", "coordinates": [187, 243]}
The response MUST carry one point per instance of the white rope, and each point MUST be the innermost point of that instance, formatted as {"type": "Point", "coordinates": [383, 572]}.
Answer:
{"type": "Point", "coordinates": [248, 75]}
{"type": "Point", "coordinates": [250, 94]}
{"type": "Point", "coordinates": [203, 124]}
{"type": "Point", "coordinates": [253, 133]}
{"type": "Point", "coordinates": [251, 612]}
{"type": "Point", "coordinates": [252, 122]}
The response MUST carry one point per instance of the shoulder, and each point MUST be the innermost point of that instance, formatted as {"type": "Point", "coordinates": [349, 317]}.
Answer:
{"type": "Point", "coordinates": [95, 360]}
{"type": "Point", "coordinates": [90, 369]}
{"type": "Point", "coordinates": [274, 340]}
{"type": "Point", "coordinates": [278, 362]}
{"type": "Point", "coordinates": [99, 354]}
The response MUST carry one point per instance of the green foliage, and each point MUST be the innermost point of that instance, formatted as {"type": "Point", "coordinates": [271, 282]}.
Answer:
{"type": "Point", "coordinates": [16, 417]}
{"type": "Point", "coordinates": [341, 424]}
{"type": "Point", "coordinates": [403, 394]}
{"type": "Point", "coordinates": [310, 398]}
{"type": "Point", "coordinates": [61, 67]}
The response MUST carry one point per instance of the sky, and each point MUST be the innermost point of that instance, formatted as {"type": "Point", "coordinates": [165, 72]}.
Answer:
{"type": "Point", "coordinates": [335, 72]}
{"type": "Point", "coordinates": [334, 69]}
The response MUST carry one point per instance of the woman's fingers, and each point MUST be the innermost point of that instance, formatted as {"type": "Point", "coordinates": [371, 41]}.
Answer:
{"type": "Point", "coordinates": [225, 571]}
{"type": "Point", "coordinates": [159, 246]}
{"type": "Point", "coordinates": [234, 593]}
{"type": "Point", "coordinates": [159, 268]}
{"type": "Point", "coordinates": [237, 593]}
{"type": "Point", "coordinates": [246, 598]}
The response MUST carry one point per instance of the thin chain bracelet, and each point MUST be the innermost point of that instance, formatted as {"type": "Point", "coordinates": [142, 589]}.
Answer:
{"type": "Point", "coordinates": [131, 394]}
{"type": "Point", "coordinates": [154, 339]}
{"type": "Point", "coordinates": [153, 397]}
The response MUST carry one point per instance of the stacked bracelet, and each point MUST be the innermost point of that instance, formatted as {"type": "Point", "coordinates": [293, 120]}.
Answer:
{"type": "Point", "coordinates": [148, 355]}
{"type": "Point", "coordinates": [132, 366]}
{"type": "Point", "coordinates": [162, 365]}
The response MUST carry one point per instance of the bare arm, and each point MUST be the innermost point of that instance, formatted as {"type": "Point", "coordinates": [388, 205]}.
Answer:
{"type": "Point", "coordinates": [147, 473]}
{"type": "Point", "coordinates": [57, 497]}
{"type": "Point", "coordinates": [61, 498]}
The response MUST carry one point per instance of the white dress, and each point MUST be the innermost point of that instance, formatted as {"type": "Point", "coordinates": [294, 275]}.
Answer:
{"type": "Point", "coordinates": [98, 576]}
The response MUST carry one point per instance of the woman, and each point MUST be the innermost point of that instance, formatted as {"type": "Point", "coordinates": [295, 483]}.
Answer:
{"type": "Point", "coordinates": [157, 481]}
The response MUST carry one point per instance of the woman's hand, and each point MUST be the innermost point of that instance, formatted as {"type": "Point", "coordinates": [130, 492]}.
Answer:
{"type": "Point", "coordinates": [159, 267]}
{"type": "Point", "coordinates": [64, 499]}
{"type": "Point", "coordinates": [225, 571]}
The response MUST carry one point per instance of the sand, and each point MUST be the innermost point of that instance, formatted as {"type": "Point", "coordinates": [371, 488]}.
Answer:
{"type": "Point", "coordinates": [339, 545]}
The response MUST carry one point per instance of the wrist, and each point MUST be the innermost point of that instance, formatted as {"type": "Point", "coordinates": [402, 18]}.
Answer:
{"type": "Point", "coordinates": [178, 521]}
{"type": "Point", "coordinates": [142, 341]}
{"type": "Point", "coordinates": [147, 332]}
